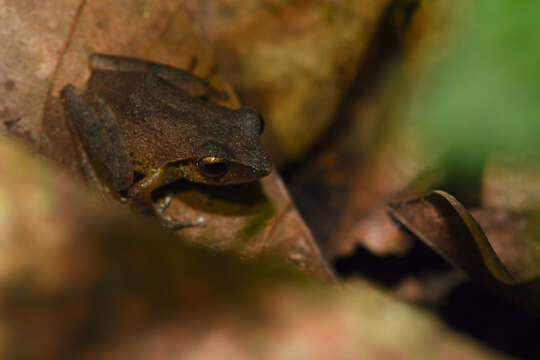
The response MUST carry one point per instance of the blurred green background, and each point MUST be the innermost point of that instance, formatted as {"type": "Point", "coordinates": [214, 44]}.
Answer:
{"type": "Point", "coordinates": [483, 96]}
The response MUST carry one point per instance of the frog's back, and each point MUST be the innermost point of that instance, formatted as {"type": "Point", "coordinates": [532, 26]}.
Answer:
{"type": "Point", "coordinates": [150, 128]}
{"type": "Point", "coordinates": [160, 122]}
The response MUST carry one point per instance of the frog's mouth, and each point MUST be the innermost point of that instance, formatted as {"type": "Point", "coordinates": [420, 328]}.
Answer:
{"type": "Point", "coordinates": [216, 171]}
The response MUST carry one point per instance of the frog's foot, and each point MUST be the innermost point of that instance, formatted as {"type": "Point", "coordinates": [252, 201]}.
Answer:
{"type": "Point", "coordinates": [169, 223]}
{"type": "Point", "coordinates": [174, 225]}
{"type": "Point", "coordinates": [163, 204]}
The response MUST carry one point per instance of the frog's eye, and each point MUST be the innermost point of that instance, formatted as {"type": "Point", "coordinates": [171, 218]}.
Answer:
{"type": "Point", "coordinates": [261, 124]}
{"type": "Point", "coordinates": [212, 166]}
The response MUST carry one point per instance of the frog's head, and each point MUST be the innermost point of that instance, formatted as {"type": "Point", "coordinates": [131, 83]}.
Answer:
{"type": "Point", "coordinates": [233, 154]}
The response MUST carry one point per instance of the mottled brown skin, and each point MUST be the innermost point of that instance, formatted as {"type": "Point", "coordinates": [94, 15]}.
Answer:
{"type": "Point", "coordinates": [155, 120]}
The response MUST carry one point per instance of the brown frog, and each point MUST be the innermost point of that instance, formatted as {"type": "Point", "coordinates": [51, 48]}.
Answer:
{"type": "Point", "coordinates": [140, 125]}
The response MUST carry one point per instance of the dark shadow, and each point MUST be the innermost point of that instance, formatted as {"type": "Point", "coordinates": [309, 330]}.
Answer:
{"type": "Point", "coordinates": [320, 205]}
{"type": "Point", "coordinates": [470, 308]}
{"type": "Point", "coordinates": [473, 309]}
{"type": "Point", "coordinates": [232, 200]}
{"type": "Point", "coordinates": [390, 270]}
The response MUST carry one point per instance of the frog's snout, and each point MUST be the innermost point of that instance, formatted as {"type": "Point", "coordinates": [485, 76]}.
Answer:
{"type": "Point", "coordinates": [265, 165]}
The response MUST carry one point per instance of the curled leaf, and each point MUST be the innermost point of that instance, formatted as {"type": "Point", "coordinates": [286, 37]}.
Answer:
{"type": "Point", "coordinates": [440, 221]}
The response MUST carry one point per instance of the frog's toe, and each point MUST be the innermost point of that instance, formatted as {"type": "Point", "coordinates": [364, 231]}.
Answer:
{"type": "Point", "coordinates": [163, 204]}
{"type": "Point", "coordinates": [174, 225]}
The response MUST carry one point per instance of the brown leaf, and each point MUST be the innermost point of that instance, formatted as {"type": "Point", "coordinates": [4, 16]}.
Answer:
{"type": "Point", "coordinates": [84, 283]}
{"type": "Point", "coordinates": [440, 221]}
{"type": "Point", "coordinates": [73, 276]}
{"type": "Point", "coordinates": [389, 172]}
{"type": "Point", "coordinates": [444, 224]}
{"type": "Point", "coordinates": [511, 183]}
{"type": "Point", "coordinates": [55, 41]}
{"type": "Point", "coordinates": [351, 324]}
{"type": "Point", "coordinates": [515, 238]}
{"type": "Point", "coordinates": [33, 37]}
{"type": "Point", "coordinates": [371, 156]}
{"type": "Point", "coordinates": [292, 60]}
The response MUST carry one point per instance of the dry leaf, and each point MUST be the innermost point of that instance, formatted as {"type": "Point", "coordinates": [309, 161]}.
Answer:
{"type": "Point", "coordinates": [440, 221]}
{"type": "Point", "coordinates": [292, 60]}
{"type": "Point", "coordinates": [371, 156]}
{"type": "Point", "coordinates": [163, 32]}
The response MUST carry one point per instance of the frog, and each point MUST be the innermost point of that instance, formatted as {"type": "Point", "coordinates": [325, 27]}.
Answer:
{"type": "Point", "coordinates": [140, 125]}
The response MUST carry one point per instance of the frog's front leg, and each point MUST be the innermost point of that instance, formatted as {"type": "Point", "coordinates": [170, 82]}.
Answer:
{"type": "Point", "coordinates": [141, 195]}
{"type": "Point", "coordinates": [141, 192]}
{"type": "Point", "coordinates": [181, 79]}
